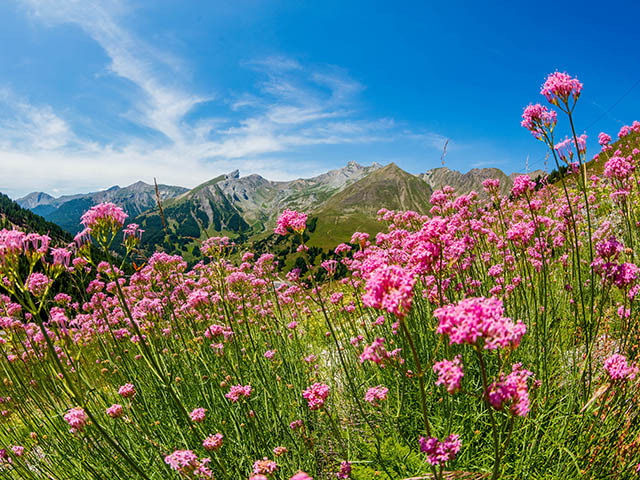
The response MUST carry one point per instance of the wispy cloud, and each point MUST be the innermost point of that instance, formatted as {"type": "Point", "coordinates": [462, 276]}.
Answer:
{"type": "Point", "coordinates": [293, 106]}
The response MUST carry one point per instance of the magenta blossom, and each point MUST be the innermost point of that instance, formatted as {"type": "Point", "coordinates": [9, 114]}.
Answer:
{"type": "Point", "coordinates": [559, 87]}
{"type": "Point", "coordinates": [537, 118]}
{"type": "Point", "coordinates": [77, 419]}
{"type": "Point", "coordinates": [104, 217]}
{"type": "Point", "coordinates": [449, 373]}
{"type": "Point", "coordinates": [237, 391]}
{"type": "Point", "coordinates": [511, 390]}
{"type": "Point", "coordinates": [475, 319]}
{"type": "Point", "coordinates": [198, 415]}
{"type": "Point", "coordinates": [376, 394]}
{"type": "Point", "coordinates": [316, 395]}
{"type": "Point", "coordinates": [290, 220]}
{"type": "Point", "coordinates": [390, 288]}
{"type": "Point", "coordinates": [212, 442]}
{"type": "Point", "coordinates": [345, 470]}
{"type": "Point", "coordinates": [618, 368]}
{"type": "Point", "coordinates": [439, 452]}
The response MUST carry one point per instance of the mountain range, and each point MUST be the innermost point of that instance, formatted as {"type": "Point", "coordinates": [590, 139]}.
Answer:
{"type": "Point", "coordinates": [338, 202]}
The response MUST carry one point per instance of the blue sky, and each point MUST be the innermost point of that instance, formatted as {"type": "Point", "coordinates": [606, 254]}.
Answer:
{"type": "Point", "coordinates": [94, 94]}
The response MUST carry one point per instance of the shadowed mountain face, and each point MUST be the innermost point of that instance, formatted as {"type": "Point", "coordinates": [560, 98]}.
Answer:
{"type": "Point", "coordinates": [13, 216]}
{"type": "Point", "coordinates": [67, 209]}
{"type": "Point", "coordinates": [340, 202]}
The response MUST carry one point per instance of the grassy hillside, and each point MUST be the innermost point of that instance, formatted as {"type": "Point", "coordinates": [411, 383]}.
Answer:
{"type": "Point", "coordinates": [355, 207]}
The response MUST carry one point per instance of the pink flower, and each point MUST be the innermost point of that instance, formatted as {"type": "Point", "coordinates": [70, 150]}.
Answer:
{"type": "Point", "coordinates": [265, 466]}
{"type": "Point", "coordinates": [511, 389]}
{"type": "Point", "coordinates": [522, 184]}
{"type": "Point", "coordinates": [618, 368]}
{"type": "Point", "coordinates": [390, 287]}
{"type": "Point", "coordinates": [375, 352]}
{"type": "Point", "coordinates": [127, 390]}
{"type": "Point", "coordinates": [187, 463]}
{"type": "Point", "coordinates": [18, 450]}
{"type": "Point", "coordinates": [291, 220]}
{"type": "Point", "coordinates": [618, 167]}
{"type": "Point", "coordinates": [198, 415]}
{"type": "Point", "coordinates": [316, 395]}
{"type": "Point", "coordinates": [132, 234]}
{"type": "Point", "coordinates": [104, 217]}
{"type": "Point", "coordinates": [115, 410]}
{"type": "Point", "coordinates": [559, 87]}
{"type": "Point", "coordinates": [474, 319]}
{"type": "Point", "coordinates": [301, 476]}
{"type": "Point", "coordinates": [345, 470]}
{"type": "Point", "coordinates": [604, 139]}
{"type": "Point", "coordinates": [76, 418]}
{"type": "Point", "coordinates": [279, 451]}
{"type": "Point", "coordinates": [237, 391]}
{"type": "Point", "coordinates": [376, 394]}
{"type": "Point", "coordinates": [536, 118]}
{"type": "Point", "coordinates": [213, 442]}
{"type": "Point", "coordinates": [37, 283]}
{"type": "Point", "coordinates": [61, 256]}
{"type": "Point", "coordinates": [440, 452]}
{"type": "Point", "coordinates": [449, 373]}
{"type": "Point", "coordinates": [491, 185]}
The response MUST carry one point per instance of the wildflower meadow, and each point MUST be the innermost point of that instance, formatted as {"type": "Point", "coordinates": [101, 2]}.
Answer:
{"type": "Point", "coordinates": [491, 337]}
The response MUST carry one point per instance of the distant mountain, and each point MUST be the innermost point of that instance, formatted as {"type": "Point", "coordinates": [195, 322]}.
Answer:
{"type": "Point", "coordinates": [66, 210]}
{"type": "Point", "coordinates": [13, 215]}
{"type": "Point", "coordinates": [355, 207]}
{"type": "Point", "coordinates": [338, 203]}
{"type": "Point", "coordinates": [464, 183]}
{"type": "Point", "coordinates": [239, 206]}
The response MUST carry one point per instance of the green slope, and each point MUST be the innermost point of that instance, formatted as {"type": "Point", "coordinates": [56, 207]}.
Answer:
{"type": "Point", "coordinates": [355, 208]}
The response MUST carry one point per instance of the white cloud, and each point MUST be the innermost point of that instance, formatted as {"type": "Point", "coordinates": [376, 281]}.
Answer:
{"type": "Point", "coordinates": [294, 105]}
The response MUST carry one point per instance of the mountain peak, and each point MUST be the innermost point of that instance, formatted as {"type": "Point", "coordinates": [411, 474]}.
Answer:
{"type": "Point", "coordinates": [233, 175]}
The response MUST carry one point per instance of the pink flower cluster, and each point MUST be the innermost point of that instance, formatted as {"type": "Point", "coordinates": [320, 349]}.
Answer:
{"type": "Point", "coordinates": [522, 184]}
{"type": "Point", "coordinates": [264, 466]}
{"type": "Point", "coordinates": [439, 452]}
{"type": "Point", "coordinates": [316, 395]}
{"type": "Point", "coordinates": [604, 139]}
{"type": "Point", "coordinates": [37, 284]}
{"type": "Point", "coordinates": [198, 415]}
{"type": "Point", "coordinates": [127, 390]}
{"type": "Point", "coordinates": [536, 118]}
{"type": "Point", "coordinates": [559, 87]}
{"type": "Point", "coordinates": [618, 167]}
{"type": "Point", "coordinates": [106, 214]}
{"type": "Point", "coordinates": [237, 391]}
{"type": "Point", "coordinates": [115, 410]}
{"type": "Point", "coordinates": [618, 368]}
{"type": "Point", "coordinates": [511, 389]}
{"type": "Point", "coordinates": [449, 373]}
{"type": "Point", "coordinates": [187, 463]}
{"type": "Point", "coordinates": [212, 442]}
{"type": "Point", "coordinates": [77, 419]}
{"type": "Point", "coordinates": [345, 470]}
{"type": "Point", "coordinates": [390, 287]}
{"type": "Point", "coordinates": [375, 395]}
{"type": "Point", "coordinates": [301, 476]}
{"type": "Point", "coordinates": [480, 318]}
{"type": "Point", "coordinates": [290, 220]}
